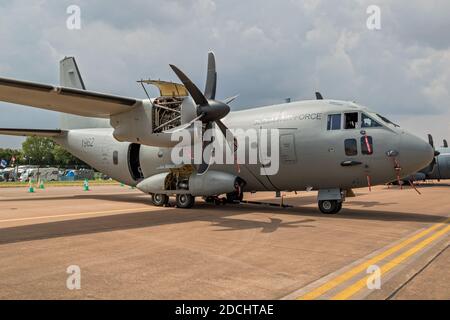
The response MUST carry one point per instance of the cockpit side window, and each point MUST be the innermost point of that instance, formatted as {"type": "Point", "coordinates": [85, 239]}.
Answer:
{"type": "Point", "coordinates": [351, 120]}
{"type": "Point", "coordinates": [334, 122]}
{"type": "Point", "coordinates": [351, 148]}
{"type": "Point", "coordinates": [367, 122]}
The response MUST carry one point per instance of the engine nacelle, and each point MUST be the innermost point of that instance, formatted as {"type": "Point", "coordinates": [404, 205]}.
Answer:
{"type": "Point", "coordinates": [209, 184]}
{"type": "Point", "coordinates": [149, 122]}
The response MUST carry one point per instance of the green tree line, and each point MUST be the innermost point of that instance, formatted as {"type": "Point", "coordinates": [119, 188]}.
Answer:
{"type": "Point", "coordinates": [40, 151]}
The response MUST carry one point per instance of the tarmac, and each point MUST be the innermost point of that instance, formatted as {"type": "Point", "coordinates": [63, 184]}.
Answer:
{"type": "Point", "coordinates": [384, 244]}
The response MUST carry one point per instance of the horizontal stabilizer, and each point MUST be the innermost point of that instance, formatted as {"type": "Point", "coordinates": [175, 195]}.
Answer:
{"type": "Point", "coordinates": [67, 100]}
{"type": "Point", "coordinates": [31, 132]}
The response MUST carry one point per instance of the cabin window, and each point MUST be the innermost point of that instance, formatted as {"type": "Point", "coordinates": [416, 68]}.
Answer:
{"type": "Point", "coordinates": [367, 122]}
{"type": "Point", "coordinates": [351, 120]}
{"type": "Point", "coordinates": [334, 122]}
{"type": "Point", "coordinates": [116, 157]}
{"type": "Point", "coordinates": [351, 148]}
{"type": "Point", "coordinates": [366, 145]}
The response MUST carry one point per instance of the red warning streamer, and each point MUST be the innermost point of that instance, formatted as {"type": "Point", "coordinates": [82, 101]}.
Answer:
{"type": "Point", "coordinates": [368, 146]}
{"type": "Point", "coordinates": [369, 183]}
{"type": "Point", "coordinates": [397, 171]}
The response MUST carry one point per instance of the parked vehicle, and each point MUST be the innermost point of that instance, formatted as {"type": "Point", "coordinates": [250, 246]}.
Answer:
{"type": "Point", "coordinates": [80, 174]}
{"type": "Point", "coordinates": [47, 174]}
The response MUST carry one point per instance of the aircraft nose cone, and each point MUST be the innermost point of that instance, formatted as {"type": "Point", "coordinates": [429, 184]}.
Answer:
{"type": "Point", "coordinates": [415, 154]}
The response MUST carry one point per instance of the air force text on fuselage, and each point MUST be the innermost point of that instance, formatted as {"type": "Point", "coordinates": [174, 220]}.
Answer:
{"type": "Point", "coordinates": [289, 117]}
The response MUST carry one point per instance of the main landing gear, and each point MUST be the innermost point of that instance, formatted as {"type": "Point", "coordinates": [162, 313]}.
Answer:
{"type": "Point", "coordinates": [330, 200]}
{"type": "Point", "coordinates": [160, 200]}
{"type": "Point", "coordinates": [184, 201]}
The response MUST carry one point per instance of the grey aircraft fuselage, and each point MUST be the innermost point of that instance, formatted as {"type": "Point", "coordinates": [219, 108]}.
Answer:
{"type": "Point", "coordinates": [313, 154]}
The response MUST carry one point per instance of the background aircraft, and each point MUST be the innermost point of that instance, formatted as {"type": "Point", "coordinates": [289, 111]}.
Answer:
{"type": "Point", "coordinates": [326, 145]}
{"type": "Point", "coordinates": [438, 168]}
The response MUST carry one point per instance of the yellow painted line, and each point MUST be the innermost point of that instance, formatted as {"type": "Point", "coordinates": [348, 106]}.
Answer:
{"type": "Point", "coordinates": [76, 214]}
{"type": "Point", "coordinates": [357, 286]}
{"type": "Point", "coordinates": [363, 266]}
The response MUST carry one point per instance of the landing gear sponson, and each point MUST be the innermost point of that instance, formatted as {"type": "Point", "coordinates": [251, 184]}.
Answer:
{"type": "Point", "coordinates": [329, 200]}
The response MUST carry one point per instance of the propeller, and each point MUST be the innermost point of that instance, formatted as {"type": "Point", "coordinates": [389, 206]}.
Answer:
{"type": "Point", "coordinates": [436, 153]}
{"type": "Point", "coordinates": [209, 110]}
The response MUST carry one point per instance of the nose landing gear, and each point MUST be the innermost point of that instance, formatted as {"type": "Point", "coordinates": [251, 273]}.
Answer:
{"type": "Point", "coordinates": [330, 206]}
{"type": "Point", "coordinates": [330, 200]}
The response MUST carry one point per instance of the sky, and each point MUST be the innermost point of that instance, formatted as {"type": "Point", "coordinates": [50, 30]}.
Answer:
{"type": "Point", "coordinates": [266, 51]}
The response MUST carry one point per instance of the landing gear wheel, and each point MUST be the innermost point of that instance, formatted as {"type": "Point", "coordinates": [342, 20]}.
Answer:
{"type": "Point", "coordinates": [185, 201]}
{"type": "Point", "coordinates": [330, 206]}
{"type": "Point", "coordinates": [160, 200]}
{"type": "Point", "coordinates": [339, 207]}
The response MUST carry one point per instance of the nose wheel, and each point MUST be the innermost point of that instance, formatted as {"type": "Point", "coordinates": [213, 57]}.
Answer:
{"type": "Point", "coordinates": [330, 206]}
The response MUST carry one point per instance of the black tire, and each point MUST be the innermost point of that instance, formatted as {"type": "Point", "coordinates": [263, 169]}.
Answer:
{"type": "Point", "coordinates": [160, 200]}
{"type": "Point", "coordinates": [339, 208]}
{"type": "Point", "coordinates": [330, 206]}
{"type": "Point", "coordinates": [185, 201]}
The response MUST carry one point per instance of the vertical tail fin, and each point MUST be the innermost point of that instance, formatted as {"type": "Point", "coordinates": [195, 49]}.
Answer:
{"type": "Point", "coordinates": [70, 76]}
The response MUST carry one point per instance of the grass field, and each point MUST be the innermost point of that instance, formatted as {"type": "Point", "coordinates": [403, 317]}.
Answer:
{"type": "Point", "coordinates": [58, 183]}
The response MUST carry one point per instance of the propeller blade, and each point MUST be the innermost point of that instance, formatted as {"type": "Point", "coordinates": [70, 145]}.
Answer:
{"type": "Point", "coordinates": [319, 96]}
{"type": "Point", "coordinates": [211, 77]}
{"type": "Point", "coordinates": [445, 144]}
{"type": "Point", "coordinates": [230, 100]}
{"type": "Point", "coordinates": [223, 128]}
{"type": "Point", "coordinates": [195, 93]}
{"type": "Point", "coordinates": [202, 168]}
{"type": "Point", "coordinates": [430, 140]}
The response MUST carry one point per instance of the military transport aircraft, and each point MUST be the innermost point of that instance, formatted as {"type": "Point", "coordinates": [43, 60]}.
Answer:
{"type": "Point", "coordinates": [326, 145]}
{"type": "Point", "coordinates": [438, 168]}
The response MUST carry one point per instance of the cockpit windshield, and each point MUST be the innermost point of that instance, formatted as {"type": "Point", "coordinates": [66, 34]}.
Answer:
{"type": "Point", "coordinates": [368, 122]}
{"type": "Point", "coordinates": [388, 121]}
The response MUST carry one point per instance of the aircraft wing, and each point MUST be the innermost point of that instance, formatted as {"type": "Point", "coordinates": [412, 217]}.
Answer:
{"type": "Point", "coordinates": [31, 132]}
{"type": "Point", "coordinates": [67, 100]}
